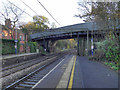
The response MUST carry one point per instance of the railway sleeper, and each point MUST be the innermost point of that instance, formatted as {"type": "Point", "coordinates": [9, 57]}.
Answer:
{"type": "Point", "coordinates": [30, 82]}
{"type": "Point", "coordinates": [25, 85]}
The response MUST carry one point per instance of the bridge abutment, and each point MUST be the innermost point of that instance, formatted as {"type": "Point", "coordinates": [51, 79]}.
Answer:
{"type": "Point", "coordinates": [51, 45]}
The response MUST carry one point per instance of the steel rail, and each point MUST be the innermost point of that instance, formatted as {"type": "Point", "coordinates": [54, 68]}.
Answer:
{"type": "Point", "coordinates": [32, 73]}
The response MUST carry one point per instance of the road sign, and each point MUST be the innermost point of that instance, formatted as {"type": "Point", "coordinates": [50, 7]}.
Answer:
{"type": "Point", "coordinates": [15, 46]}
{"type": "Point", "coordinates": [92, 47]}
{"type": "Point", "coordinates": [15, 40]}
{"type": "Point", "coordinates": [91, 40]}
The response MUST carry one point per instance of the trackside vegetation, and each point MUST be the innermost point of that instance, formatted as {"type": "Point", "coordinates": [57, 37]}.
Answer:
{"type": "Point", "coordinates": [8, 46]}
{"type": "Point", "coordinates": [108, 51]}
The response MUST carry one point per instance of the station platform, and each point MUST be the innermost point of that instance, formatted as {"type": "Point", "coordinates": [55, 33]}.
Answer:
{"type": "Point", "coordinates": [75, 72]}
{"type": "Point", "coordinates": [7, 60]}
{"type": "Point", "coordinates": [79, 72]}
{"type": "Point", "coordinates": [15, 55]}
{"type": "Point", "coordinates": [91, 74]}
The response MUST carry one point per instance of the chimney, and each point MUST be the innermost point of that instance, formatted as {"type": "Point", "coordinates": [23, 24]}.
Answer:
{"type": "Point", "coordinates": [8, 23]}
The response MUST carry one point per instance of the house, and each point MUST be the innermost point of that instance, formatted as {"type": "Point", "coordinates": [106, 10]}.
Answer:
{"type": "Point", "coordinates": [8, 33]}
{"type": "Point", "coordinates": [23, 41]}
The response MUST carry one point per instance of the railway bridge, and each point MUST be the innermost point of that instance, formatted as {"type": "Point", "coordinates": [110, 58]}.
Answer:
{"type": "Point", "coordinates": [85, 33]}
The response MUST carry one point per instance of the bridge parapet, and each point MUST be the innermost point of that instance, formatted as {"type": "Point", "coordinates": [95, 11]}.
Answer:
{"type": "Point", "coordinates": [71, 30]}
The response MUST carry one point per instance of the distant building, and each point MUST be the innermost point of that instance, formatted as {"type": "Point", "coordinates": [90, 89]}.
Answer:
{"type": "Point", "coordinates": [23, 38]}
{"type": "Point", "coordinates": [8, 33]}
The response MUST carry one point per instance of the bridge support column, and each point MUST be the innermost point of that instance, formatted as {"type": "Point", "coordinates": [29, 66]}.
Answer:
{"type": "Point", "coordinates": [51, 45]}
{"type": "Point", "coordinates": [87, 43]}
{"type": "Point", "coordinates": [44, 44]}
{"type": "Point", "coordinates": [82, 47]}
{"type": "Point", "coordinates": [47, 46]}
{"type": "Point", "coordinates": [78, 45]}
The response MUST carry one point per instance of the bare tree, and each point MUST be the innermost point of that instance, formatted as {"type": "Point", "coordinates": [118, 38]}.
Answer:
{"type": "Point", "coordinates": [107, 12]}
{"type": "Point", "coordinates": [85, 11]}
{"type": "Point", "coordinates": [11, 13]}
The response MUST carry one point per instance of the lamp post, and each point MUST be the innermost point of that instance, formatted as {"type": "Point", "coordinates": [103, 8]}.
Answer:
{"type": "Point", "coordinates": [92, 46]}
{"type": "Point", "coordinates": [87, 42]}
{"type": "Point", "coordinates": [16, 41]}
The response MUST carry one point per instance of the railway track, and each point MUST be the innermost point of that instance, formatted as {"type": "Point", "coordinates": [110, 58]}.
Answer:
{"type": "Point", "coordinates": [28, 79]}
{"type": "Point", "coordinates": [20, 66]}
{"type": "Point", "coordinates": [24, 62]}
{"type": "Point", "coordinates": [17, 67]}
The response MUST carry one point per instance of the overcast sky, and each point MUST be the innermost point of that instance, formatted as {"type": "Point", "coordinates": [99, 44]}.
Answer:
{"type": "Point", "coordinates": [62, 10]}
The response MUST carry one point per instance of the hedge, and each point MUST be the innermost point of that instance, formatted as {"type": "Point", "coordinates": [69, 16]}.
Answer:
{"type": "Point", "coordinates": [8, 46]}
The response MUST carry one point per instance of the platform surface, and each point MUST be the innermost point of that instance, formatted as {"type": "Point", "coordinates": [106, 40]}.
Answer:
{"type": "Point", "coordinates": [93, 74]}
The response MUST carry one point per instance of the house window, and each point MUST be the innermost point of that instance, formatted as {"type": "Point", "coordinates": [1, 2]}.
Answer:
{"type": "Point", "coordinates": [23, 38]}
{"type": "Point", "coordinates": [3, 34]}
{"type": "Point", "coordinates": [20, 38]}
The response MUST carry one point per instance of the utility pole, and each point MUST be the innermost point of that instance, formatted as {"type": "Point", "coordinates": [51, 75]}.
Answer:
{"type": "Point", "coordinates": [44, 44]}
{"type": "Point", "coordinates": [92, 47]}
{"type": "Point", "coordinates": [87, 42]}
{"type": "Point", "coordinates": [78, 47]}
{"type": "Point", "coordinates": [15, 41]}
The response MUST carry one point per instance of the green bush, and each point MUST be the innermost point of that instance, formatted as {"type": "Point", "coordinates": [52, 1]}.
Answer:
{"type": "Point", "coordinates": [33, 46]}
{"type": "Point", "coordinates": [109, 50]}
{"type": "Point", "coordinates": [112, 51]}
{"type": "Point", "coordinates": [41, 49]}
{"type": "Point", "coordinates": [112, 65]}
{"type": "Point", "coordinates": [8, 46]}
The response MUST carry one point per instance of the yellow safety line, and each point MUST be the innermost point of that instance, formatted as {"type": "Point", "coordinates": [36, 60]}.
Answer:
{"type": "Point", "coordinates": [71, 77]}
